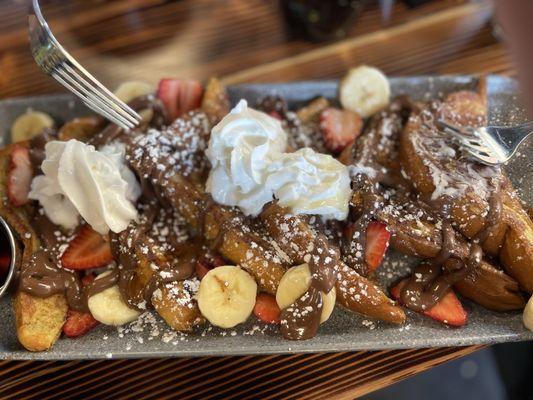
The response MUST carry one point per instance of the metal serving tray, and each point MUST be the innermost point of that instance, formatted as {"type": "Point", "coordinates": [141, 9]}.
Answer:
{"type": "Point", "coordinates": [344, 331]}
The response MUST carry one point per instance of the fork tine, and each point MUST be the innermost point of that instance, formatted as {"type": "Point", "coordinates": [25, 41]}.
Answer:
{"type": "Point", "coordinates": [93, 105]}
{"type": "Point", "coordinates": [456, 134]}
{"type": "Point", "coordinates": [463, 131]}
{"type": "Point", "coordinates": [472, 144]}
{"type": "Point", "coordinates": [92, 92]}
{"type": "Point", "coordinates": [91, 102]}
{"type": "Point", "coordinates": [485, 158]}
{"type": "Point", "coordinates": [84, 75]}
{"type": "Point", "coordinates": [56, 61]}
{"type": "Point", "coordinates": [65, 80]}
{"type": "Point", "coordinates": [106, 93]}
{"type": "Point", "coordinates": [446, 126]}
{"type": "Point", "coordinates": [54, 64]}
{"type": "Point", "coordinates": [59, 59]}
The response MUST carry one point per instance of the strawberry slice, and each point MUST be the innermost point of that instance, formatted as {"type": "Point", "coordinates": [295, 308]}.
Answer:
{"type": "Point", "coordinates": [88, 249]}
{"type": "Point", "coordinates": [339, 128]}
{"type": "Point", "coordinates": [266, 308]}
{"type": "Point", "coordinates": [448, 310]}
{"type": "Point", "coordinates": [377, 242]}
{"type": "Point", "coordinates": [79, 323]}
{"type": "Point", "coordinates": [19, 176]}
{"type": "Point", "coordinates": [180, 95]}
{"type": "Point", "coordinates": [202, 268]}
{"type": "Point", "coordinates": [275, 114]}
{"type": "Point", "coordinates": [87, 279]}
{"type": "Point", "coordinates": [206, 264]}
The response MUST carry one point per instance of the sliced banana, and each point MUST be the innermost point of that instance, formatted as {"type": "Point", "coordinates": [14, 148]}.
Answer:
{"type": "Point", "coordinates": [295, 283]}
{"type": "Point", "coordinates": [365, 90]}
{"type": "Point", "coordinates": [109, 308]}
{"type": "Point", "coordinates": [30, 124]}
{"type": "Point", "coordinates": [528, 314]}
{"type": "Point", "coordinates": [127, 91]}
{"type": "Point", "coordinates": [226, 296]}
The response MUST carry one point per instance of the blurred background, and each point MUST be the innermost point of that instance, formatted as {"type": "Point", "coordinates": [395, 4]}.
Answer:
{"type": "Point", "coordinates": [501, 372]}
{"type": "Point", "coordinates": [261, 40]}
{"type": "Point", "coordinates": [253, 40]}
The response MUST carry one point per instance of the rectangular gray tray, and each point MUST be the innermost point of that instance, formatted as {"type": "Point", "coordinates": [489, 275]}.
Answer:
{"type": "Point", "coordinates": [344, 331]}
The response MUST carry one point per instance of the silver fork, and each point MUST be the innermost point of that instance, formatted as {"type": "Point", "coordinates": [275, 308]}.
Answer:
{"type": "Point", "coordinates": [490, 145]}
{"type": "Point", "coordinates": [57, 62]}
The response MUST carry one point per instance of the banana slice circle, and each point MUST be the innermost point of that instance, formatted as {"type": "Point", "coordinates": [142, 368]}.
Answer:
{"type": "Point", "coordinates": [109, 308]}
{"type": "Point", "coordinates": [29, 125]}
{"type": "Point", "coordinates": [365, 90]}
{"type": "Point", "coordinates": [294, 283]}
{"type": "Point", "coordinates": [127, 91]}
{"type": "Point", "coordinates": [226, 296]}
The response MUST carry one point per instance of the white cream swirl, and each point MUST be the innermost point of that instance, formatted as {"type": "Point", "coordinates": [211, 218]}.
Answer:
{"type": "Point", "coordinates": [78, 180]}
{"type": "Point", "coordinates": [241, 148]}
{"type": "Point", "coordinates": [311, 183]}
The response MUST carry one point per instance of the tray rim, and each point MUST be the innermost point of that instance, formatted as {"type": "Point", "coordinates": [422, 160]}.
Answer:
{"type": "Point", "coordinates": [281, 347]}
{"type": "Point", "coordinates": [392, 78]}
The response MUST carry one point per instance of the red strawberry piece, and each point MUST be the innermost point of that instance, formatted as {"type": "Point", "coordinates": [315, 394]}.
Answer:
{"type": "Point", "coordinates": [79, 323]}
{"type": "Point", "coordinates": [275, 114]}
{"type": "Point", "coordinates": [377, 241]}
{"type": "Point", "coordinates": [339, 128]}
{"type": "Point", "coordinates": [266, 308]}
{"type": "Point", "coordinates": [202, 268]}
{"type": "Point", "coordinates": [87, 279]}
{"type": "Point", "coordinates": [206, 264]}
{"type": "Point", "coordinates": [448, 310]}
{"type": "Point", "coordinates": [19, 176]}
{"type": "Point", "coordinates": [88, 249]}
{"type": "Point", "coordinates": [180, 95]}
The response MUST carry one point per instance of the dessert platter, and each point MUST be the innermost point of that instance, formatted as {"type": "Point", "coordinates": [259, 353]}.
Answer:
{"type": "Point", "coordinates": [264, 218]}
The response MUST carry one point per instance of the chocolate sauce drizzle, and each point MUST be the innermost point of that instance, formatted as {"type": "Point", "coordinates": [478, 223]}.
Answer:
{"type": "Point", "coordinates": [42, 278]}
{"type": "Point", "coordinates": [432, 279]}
{"type": "Point", "coordinates": [134, 243]}
{"type": "Point", "coordinates": [301, 320]}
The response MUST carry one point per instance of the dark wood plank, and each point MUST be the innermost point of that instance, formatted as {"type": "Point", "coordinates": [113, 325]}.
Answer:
{"type": "Point", "coordinates": [297, 376]}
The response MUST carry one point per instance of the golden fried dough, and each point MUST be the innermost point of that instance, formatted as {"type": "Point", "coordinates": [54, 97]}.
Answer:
{"type": "Point", "coordinates": [354, 292]}
{"type": "Point", "coordinates": [174, 303]}
{"type": "Point", "coordinates": [215, 102]}
{"type": "Point", "coordinates": [491, 288]}
{"type": "Point", "coordinates": [39, 321]}
{"type": "Point", "coordinates": [237, 243]}
{"type": "Point", "coordinates": [466, 188]}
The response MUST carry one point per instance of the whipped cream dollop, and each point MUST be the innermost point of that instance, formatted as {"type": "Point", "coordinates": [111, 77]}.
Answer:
{"type": "Point", "coordinates": [242, 146]}
{"type": "Point", "coordinates": [78, 180]}
{"type": "Point", "coordinates": [311, 183]}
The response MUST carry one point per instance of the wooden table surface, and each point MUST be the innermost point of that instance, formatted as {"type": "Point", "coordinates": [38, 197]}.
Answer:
{"type": "Point", "coordinates": [240, 41]}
